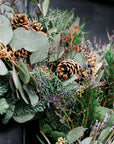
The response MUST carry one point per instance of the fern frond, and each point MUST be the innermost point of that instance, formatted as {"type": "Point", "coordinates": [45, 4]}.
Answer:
{"type": "Point", "coordinates": [23, 108]}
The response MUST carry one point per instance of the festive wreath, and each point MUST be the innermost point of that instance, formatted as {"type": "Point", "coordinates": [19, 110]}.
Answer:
{"type": "Point", "coordinates": [49, 71]}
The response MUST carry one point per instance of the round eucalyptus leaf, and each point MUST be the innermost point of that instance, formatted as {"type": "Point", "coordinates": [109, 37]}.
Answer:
{"type": "Point", "coordinates": [29, 40]}
{"type": "Point", "coordinates": [6, 32]}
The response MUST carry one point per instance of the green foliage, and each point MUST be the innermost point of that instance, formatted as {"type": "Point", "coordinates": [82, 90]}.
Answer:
{"type": "Point", "coordinates": [54, 121]}
{"type": "Point", "coordinates": [25, 112]}
{"type": "Point", "coordinates": [4, 85]}
{"type": "Point", "coordinates": [49, 83]}
{"type": "Point", "coordinates": [101, 112]}
{"type": "Point", "coordinates": [87, 140]}
{"type": "Point", "coordinates": [32, 95]}
{"type": "Point", "coordinates": [41, 141]}
{"type": "Point", "coordinates": [104, 134]}
{"type": "Point", "coordinates": [33, 82]}
{"type": "Point", "coordinates": [108, 89]}
{"type": "Point", "coordinates": [6, 32]}
{"type": "Point", "coordinates": [18, 85]}
{"type": "Point", "coordinates": [99, 76]}
{"type": "Point", "coordinates": [45, 6]}
{"type": "Point", "coordinates": [75, 134]}
{"type": "Point", "coordinates": [33, 41]}
{"type": "Point", "coordinates": [79, 57]}
{"type": "Point", "coordinates": [23, 72]}
{"type": "Point", "coordinates": [3, 105]}
{"type": "Point", "coordinates": [56, 56]}
{"type": "Point", "coordinates": [9, 113]}
{"type": "Point", "coordinates": [6, 11]}
{"type": "Point", "coordinates": [59, 19]}
{"type": "Point", "coordinates": [3, 68]}
{"type": "Point", "coordinates": [51, 133]}
{"type": "Point", "coordinates": [70, 80]}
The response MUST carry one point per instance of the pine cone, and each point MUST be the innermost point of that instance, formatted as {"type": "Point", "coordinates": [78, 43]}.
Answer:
{"type": "Point", "coordinates": [19, 20]}
{"type": "Point", "coordinates": [22, 53]}
{"type": "Point", "coordinates": [36, 26]}
{"type": "Point", "coordinates": [67, 68]}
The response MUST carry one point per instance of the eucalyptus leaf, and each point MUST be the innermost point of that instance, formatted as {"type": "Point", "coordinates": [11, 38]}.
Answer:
{"type": "Point", "coordinates": [40, 54]}
{"type": "Point", "coordinates": [34, 82]}
{"type": "Point", "coordinates": [70, 80]}
{"type": "Point", "coordinates": [79, 57]}
{"type": "Point", "coordinates": [75, 134]}
{"type": "Point", "coordinates": [24, 75]}
{"type": "Point", "coordinates": [6, 32]}
{"type": "Point", "coordinates": [56, 56]}
{"type": "Point", "coordinates": [70, 55]}
{"type": "Point", "coordinates": [32, 95]}
{"type": "Point", "coordinates": [45, 6]}
{"type": "Point", "coordinates": [87, 140]}
{"type": "Point", "coordinates": [3, 69]}
{"type": "Point", "coordinates": [12, 86]}
{"type": "Point", "coordinates": [18, 85]}
{"type": "Point", "coordinates": [29, 40]}
{"type": "Point", "coordinates": [24, 118]}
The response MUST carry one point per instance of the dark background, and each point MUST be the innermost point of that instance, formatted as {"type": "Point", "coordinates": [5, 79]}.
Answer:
{"type": "Point", "coordinates": [98, 16]}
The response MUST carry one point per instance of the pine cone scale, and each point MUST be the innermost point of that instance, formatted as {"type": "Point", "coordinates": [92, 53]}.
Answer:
{"type": "Point", "coordinates": [67, 68]}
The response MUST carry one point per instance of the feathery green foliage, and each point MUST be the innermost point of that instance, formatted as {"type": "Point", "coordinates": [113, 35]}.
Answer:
{"type": "Point", "coordinates": [23, 108]}
{"type": "Point", "coordinates": [108, 88]}
{"type": "Point", "coordinates": [58, 19]}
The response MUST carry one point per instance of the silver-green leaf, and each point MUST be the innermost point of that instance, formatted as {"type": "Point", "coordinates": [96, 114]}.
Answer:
{"type": "Point", "coordinates": [18, 85]}
{"type": "Point", "coordinates": [23, 72]}
{"type": "Point", "coordinates": [75, 134]}
{"type": "Point", "coordinates": [32, 95]}
{"type": "Point", "coordinates": [29, 40]}
{"type": "Point", "coordinates": [6, 32]}
{"type": "Point", "coordinates": [45, 6]}
{"type": "Point", "coordinates": [3, 69]}
{"type": "Point", "coordinates": [79, 57]}
{"type": "Point", "coordinates": [40, 54]}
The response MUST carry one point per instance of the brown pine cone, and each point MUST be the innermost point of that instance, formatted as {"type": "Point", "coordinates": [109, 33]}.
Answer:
{"type": "Point", "coordinates": [22, 53]}
{"type": "Point", "coordinates": [36, 26]}
{"type": "Point", "coordinates": [67, 68]}
{"type": "Point", "coordinates": [19, 20]}
{"type": "Point", "coordinates": [7, 53]}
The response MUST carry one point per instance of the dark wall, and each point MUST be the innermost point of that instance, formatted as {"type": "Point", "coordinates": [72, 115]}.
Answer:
{"type": "Point", "coordinates": [11, 133]}
{"type": "Point", "coordinates": [98, 15]}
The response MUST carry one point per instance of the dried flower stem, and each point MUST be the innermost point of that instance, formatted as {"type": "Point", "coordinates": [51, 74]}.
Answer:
{"type": "Point", "coordinates": [106, 99]}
